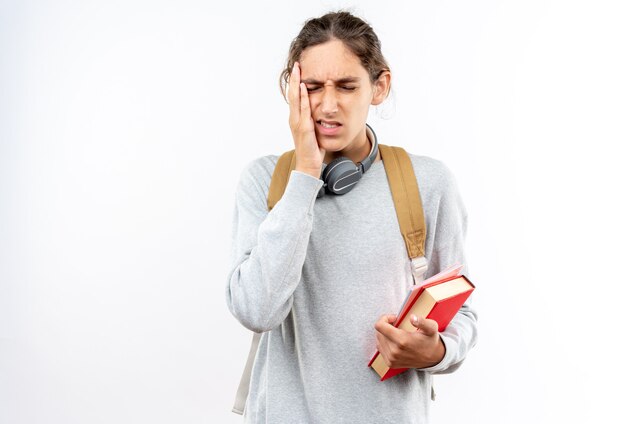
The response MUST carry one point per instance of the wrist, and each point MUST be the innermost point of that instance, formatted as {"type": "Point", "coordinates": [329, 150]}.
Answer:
{"type": "Point", "coordinates": [436, 354]}
{"type": "Point", "coordinates": [439, 352]}
{"type": "Point", "coordinates": [314, 172]}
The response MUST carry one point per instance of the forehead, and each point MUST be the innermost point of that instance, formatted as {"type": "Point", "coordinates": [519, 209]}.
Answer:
{"type": "Point", "coordinates": [331, 60]}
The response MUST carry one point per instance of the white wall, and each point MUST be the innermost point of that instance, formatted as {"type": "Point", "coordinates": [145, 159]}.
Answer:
{"type": "Point", "coordinates": [124, 126]}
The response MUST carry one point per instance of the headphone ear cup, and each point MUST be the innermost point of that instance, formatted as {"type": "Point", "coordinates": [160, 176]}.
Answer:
{"type": "Point", "coordinates": [341, 175]}
{"type": "Point", "coordinates": [331, 165]}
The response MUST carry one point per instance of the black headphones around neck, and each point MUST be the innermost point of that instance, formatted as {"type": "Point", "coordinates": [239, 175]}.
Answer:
{"type": "Point", "coordinates": [341, 175]}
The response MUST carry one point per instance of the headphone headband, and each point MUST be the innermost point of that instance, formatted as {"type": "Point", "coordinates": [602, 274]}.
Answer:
{"type": "Point", "coordinates": [365, 164]}
{"type": "Point", "coordinates": [342, 174]}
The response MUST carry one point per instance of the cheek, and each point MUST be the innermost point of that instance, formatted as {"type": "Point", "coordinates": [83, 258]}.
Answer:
{"type": "Point", "coordinates": [360, 107]}
{"type": "Point", "coordinates": [315, 99]}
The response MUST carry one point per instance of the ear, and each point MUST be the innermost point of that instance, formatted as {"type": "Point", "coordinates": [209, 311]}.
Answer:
{"type": "Point", "coordinates": [381, 88]}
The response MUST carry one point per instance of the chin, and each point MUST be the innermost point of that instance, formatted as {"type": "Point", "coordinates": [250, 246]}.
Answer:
{"type": "Point", "coordinates": [330, 144]}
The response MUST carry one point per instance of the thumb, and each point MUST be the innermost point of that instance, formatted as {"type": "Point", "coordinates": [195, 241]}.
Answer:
{"type": "Point", "coordinates": [427, 326]}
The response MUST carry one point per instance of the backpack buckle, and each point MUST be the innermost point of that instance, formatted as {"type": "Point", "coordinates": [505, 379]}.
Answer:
{"type": "Point", "coordinates": [419, 266]}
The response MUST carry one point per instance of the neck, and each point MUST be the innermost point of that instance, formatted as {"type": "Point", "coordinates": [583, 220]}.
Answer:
{"type": "Point", "coordinates": [357, 152]}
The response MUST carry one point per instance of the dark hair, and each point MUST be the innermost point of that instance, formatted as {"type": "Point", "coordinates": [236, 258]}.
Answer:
{"type": "Point", "coordinates": [356, 34]}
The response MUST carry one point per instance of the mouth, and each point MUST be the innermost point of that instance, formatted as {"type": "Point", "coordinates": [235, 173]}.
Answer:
{"type": "Point", "coordinates": [328, 127]}
{"type": "Point", "coordinates": [328, 124]}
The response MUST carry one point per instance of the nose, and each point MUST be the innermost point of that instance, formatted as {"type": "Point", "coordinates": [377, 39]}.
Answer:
{"type": "Point", "coordinates": [329, 101]}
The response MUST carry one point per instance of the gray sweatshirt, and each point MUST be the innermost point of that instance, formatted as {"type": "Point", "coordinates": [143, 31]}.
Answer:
{"type": "Point", "coordinates": [314, 275]}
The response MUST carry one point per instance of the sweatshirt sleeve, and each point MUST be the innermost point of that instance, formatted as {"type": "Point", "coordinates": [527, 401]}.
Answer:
{"type": "Point", "coordinates": [448, 249]}
{"type": "Point", "coordinates": [268, 249]}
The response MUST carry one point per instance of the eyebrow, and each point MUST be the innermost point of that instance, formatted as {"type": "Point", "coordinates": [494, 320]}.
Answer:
{"type": "Point", "coordinates": [339, 81]}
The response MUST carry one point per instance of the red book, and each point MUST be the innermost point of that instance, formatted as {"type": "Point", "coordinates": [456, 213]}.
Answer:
{"type": "Point", "coordinates": [439, 298]}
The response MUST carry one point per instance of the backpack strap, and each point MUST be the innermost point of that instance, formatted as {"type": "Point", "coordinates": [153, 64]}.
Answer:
{"type": "Point", "coordinates": [408, 205]}
{"type": "Point", "coordinates": [280, 177]}
{"type": "Point", "coordinates": [244, 383]}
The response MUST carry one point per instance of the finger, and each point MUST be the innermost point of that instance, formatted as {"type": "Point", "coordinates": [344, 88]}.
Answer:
{"type": "Point", "coordinates": [305, 107]}
{"type": "Point", "coordinates": [384, 327]}
{"type": "Point", "coordinates": [294, 91]}
{"type": "Point", "coordinates": [294, 80]}
{"type": "Point", "coordinates": [385, 319]}
{"type": "Point", "coordinates": [427, 326]}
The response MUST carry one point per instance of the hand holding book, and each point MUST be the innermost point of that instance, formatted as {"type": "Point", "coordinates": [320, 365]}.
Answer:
{"type": "Point", "coordinates": [403, 343]}
{"type": "Point", "coordinates": [402, 349]}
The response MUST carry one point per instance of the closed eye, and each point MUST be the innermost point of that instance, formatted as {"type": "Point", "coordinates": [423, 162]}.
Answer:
{"type": "Point", "coordinates": [346, 88]}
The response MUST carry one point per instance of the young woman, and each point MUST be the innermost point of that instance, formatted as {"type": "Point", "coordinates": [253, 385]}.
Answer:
{"type": "Point", "coordinates": [317, 275]}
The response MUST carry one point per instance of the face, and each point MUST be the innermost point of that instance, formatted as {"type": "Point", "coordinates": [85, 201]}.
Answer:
{"type": "Point", "coordinates": [340, 93]}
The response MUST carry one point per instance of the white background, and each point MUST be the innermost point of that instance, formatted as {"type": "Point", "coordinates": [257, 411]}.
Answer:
{"type": "Point", "coordinates": [124, 126]}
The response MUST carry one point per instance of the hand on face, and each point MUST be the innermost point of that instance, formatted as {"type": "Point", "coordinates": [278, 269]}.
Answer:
{"type": "Point", "coordinates": [309, 155]}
